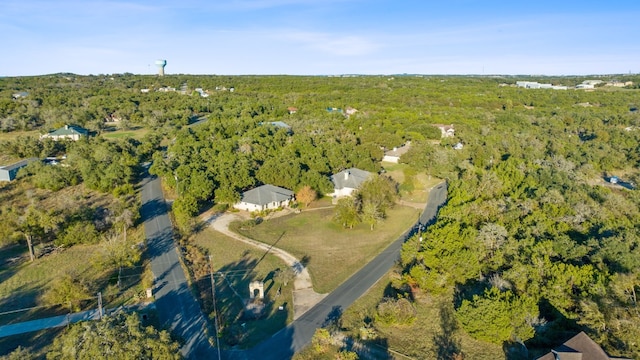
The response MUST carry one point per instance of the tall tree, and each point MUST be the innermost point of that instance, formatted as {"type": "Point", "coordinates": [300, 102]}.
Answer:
{"type": "Point", "coordinates": [371, 214]}
{"type": "Point", "coordinates": [346, 213]}
{"type": "Point", "coordinates": [33, 223]}
{"type": "Point", "coordinates": [118, 336]}
{"type": "Point", "coordinates": [306, 195]}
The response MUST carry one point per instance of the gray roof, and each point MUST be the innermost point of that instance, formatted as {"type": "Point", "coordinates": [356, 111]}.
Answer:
{"type": "Point", "coordinates": [349, 178]}
{"type": "Point", "coordinates": [18, 165]}
{"type": "Point", "coordinates": [398, 151]}
{"type": "Point", "coordinates": [265, 194]}
{"type": "Point", "coordinates": [278, 124]}
{"type": "Point", "coordinates": [281, 124]}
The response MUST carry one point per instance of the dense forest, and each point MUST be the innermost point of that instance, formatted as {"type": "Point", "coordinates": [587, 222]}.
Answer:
{"type": "Point", "coordinates": [532, 243]}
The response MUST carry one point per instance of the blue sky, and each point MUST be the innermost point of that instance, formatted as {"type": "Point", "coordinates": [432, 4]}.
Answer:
{"type": "Point", "coordinates": [320, 37]}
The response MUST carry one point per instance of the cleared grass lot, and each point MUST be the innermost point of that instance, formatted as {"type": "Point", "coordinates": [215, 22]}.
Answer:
{"type": "Point", "coordinates": [121, 134]}
{"type": "Point", "coordinates": [331, 252]}
{"type": "Point", "coordinates": [236, 265]}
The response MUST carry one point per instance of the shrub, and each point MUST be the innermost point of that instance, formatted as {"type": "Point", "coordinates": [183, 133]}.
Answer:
{"type": "Point", "coordinates": [82, 232]}
{"type": "Point", "coordinates": [395, 312]}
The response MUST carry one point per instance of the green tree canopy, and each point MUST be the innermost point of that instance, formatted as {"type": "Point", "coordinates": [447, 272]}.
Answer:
{"type": "Point", "coordinates": [119, 336]}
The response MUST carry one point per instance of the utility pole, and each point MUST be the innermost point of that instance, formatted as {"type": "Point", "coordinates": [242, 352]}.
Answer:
{"type": "Point", "coordinates": [100, 304]}
{"type": "Point", "coordinates": [419, 232]}
{"type": "Point", "coordinates": [215, 310]}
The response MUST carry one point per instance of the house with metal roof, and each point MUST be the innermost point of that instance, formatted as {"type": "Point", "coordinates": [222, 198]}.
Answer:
{"type": "Point", "coordinates": [347, 181]}
{"type": "Point", "coordinates": [9, 172]}
{"type": "Point", "coordinates": [71, 132]}
{"type": "Point", "coordinates": [265, 197]}
{"type": "Point", "coordinates": [278, 125]}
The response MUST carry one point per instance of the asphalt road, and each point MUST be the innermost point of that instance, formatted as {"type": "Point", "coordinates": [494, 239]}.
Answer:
{"type": "Point", "coordinates": [298, 334]}
{"type": "Point", "coordinates": [46, 323]}
{"type": "Point", "coordinates": [177, 308]}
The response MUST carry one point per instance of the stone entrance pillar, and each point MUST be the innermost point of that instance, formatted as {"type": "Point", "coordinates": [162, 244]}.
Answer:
{"type": "Point", "coordinates": [256, 285]}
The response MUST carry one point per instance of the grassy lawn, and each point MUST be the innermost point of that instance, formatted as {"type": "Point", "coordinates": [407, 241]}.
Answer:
{"type": "Point", "coordinates": [331, 252]}
{"type": "Point", "coordinates": [23, 283]}
{"type": "Point", "coordinates": [422, 182]}
{"type": "Point", "coordinates": [14, 134]}
{"type": "Point", "coordinates": [237, 265]}
{"type": "Point", "coordinates": [120, 134]}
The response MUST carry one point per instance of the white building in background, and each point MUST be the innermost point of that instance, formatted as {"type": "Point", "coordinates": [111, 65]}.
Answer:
{"type": "Point", "coordinates": [537, 85]}
{"type": "Point", "coordinates": [393, 155]}
{"type": "Point", "coordinates": [347, 181]}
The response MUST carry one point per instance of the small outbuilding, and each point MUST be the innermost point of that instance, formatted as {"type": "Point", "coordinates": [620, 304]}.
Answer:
{"type": "Point", "coordinates": [265, 197]}
{"type": "Point", "coordinates": [9, 172]}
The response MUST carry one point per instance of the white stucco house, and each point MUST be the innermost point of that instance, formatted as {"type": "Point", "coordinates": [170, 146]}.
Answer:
{"type": "Point", "coordinates": [265, 197]}
{"type": "Point", "coordinates": [71, 132]}
{"type": "Point", "coordinates": [446, 130]}
{"type": "Point", "coordinates": [347, 181]}
{"type": "Point", "coordinates": [393, 155]}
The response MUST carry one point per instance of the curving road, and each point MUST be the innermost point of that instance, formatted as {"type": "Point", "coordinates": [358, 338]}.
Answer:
{"type": "Point", "coordinates": [177, 308]}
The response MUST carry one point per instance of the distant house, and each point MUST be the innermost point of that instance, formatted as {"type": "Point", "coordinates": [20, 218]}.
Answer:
{"type": "Point", "coordinates": [350, 111]}
{"type": "Point", "coordinates": [347, 181]}
{"type": "Point", "coordinates": [281, 124]}
{"type": "Point", "coordinates": [203, 93]}
{"type": "Point", "coordinates": [446, 130]}
{"type": "Point", "coordinates": [19, 95]}
{"type": "Point", "coordinates": [9, 172]}
{"type": "Point", "coordinates": [71, 132]}
{"type": "Point", "coordinates": [537, 85]}
{"type": "Point", "coordinates": [278, 124]}
{"type": "Point", "coordinates": [579, 347]}
{"type": "Point", "coordinates": [265, 197]}
{"type": "Point", "coordinates": [393, 155]}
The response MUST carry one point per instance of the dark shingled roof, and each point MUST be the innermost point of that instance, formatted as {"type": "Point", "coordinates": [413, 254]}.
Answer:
{"type": "Point", "coordinates": [579, 347]}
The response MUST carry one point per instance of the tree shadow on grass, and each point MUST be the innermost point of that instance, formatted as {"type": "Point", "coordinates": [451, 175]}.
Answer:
{"type": "Point", "coordinates": [447, 344]}
{"type": "Point", "coordinates": [243, 321]}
